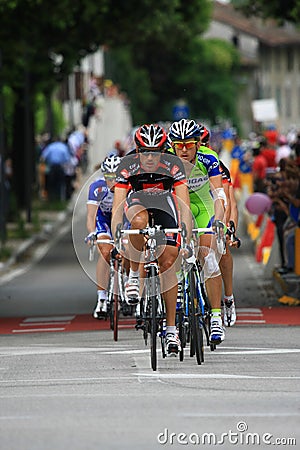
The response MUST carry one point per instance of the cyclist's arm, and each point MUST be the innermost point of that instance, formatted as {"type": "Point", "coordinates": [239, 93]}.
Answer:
{"type": "Point", "coordinates": [219, 203]}
{"type": "Point", "coordinates": [120, 194]}
{"type": "Point", "coordinates": [91, 217]}
{"type": "Point", "coordinates": [182, 193]}
{"type": "Point", "coordinates": [234, 215]}
{"type": "Point", "coordinates": [226, 187]}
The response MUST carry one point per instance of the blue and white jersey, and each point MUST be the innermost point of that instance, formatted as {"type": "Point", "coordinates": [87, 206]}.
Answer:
{"type": "Point", "coordinates": [101, 195]}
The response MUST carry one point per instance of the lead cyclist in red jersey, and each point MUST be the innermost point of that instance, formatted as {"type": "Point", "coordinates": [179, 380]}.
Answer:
{"type": "Point", "coordinates": [146, 178]}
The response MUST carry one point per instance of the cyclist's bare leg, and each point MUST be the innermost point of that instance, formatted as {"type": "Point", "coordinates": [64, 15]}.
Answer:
{"type": "Point", "coordinates": [226, 267]}
{"type": "Point", "coordinates": [103, 267]}
{"type": "Point", "coordinates": [138, 217]}
{"type": "Point", "coordinates": [169, 281]}
{"type": "Point", "coordinates": [213, 279]}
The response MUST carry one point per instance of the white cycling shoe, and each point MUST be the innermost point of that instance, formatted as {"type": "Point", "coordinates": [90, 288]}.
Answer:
{"type": "Point", "coordinates": [229, 313]}
{"type": "Point", "coordinates": [100, 309]}
{"type": "Point", "coordinates": [132, 291]}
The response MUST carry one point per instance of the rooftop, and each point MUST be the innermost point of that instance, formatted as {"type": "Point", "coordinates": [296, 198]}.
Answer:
{"type": "Point", "coordinates": [267, 32]}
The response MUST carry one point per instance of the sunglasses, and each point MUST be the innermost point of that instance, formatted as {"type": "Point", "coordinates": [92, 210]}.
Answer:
{"type": "Point", "coordinates": [188, 145]}
{"type": "Point", "coordinates": [152, 151]}
{"type": "Point", "coordinates": [110, 176]}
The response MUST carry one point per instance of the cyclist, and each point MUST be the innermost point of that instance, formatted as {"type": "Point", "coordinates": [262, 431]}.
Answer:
{"type": "Point", "coordinates": [226, 261]}
{"type": "Point", "coordinates": [207, 199]}
{"type": "Point", "coordinates": [152, 174]}
{"type": "Point", "coordinates": [99, 207]}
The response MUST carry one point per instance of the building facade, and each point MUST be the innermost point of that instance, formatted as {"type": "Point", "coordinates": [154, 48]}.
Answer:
{"type": "Point", "coordinates": [270, 64]}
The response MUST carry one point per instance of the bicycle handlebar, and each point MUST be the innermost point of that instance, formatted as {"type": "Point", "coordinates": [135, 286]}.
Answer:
{"type": "Point", "coordinates": [93, 244]}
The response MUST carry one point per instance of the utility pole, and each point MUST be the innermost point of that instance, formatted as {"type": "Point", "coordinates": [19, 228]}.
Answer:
{"type": "Point", "coordinates": [3, 192]}
{"type": "Point", "coordinates": [28, 145]}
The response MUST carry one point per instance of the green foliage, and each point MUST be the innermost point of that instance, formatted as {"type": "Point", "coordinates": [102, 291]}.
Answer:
{"type": "Point", "coordinates": [281, 10]}
{"type": "Point", "coordinates": [40, 114]}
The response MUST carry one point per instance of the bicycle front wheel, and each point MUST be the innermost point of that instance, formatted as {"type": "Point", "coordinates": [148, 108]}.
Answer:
{"type": "Point", "coordinates": [152, 293]}
{"type": "Point", "coordinates": [196, 344]}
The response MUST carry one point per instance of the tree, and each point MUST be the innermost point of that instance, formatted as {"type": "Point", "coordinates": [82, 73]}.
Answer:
{"type": "Point", "coordinates": [42, 41]}
{"type": "Point", "coordinates": [281, 10]}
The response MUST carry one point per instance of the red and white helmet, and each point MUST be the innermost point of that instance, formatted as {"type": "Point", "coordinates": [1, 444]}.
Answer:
{"type": "Point", "coordinates": [152, 136]}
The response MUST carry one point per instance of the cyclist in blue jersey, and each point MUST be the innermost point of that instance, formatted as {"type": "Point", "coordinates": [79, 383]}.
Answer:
{"type": "Point", "coordinates": [208, 200]}
{"type": "Point", "coordinates": [99, 207]}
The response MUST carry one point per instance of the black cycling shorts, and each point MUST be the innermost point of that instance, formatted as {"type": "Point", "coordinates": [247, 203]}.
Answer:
{"type": "Point", "coordinates": [161, 209]}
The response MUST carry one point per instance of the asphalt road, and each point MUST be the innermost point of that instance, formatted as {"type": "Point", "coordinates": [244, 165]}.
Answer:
{"type": "Point", "coordinates": [83, 391]}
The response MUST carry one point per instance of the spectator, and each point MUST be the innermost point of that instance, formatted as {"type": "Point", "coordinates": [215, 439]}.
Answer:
{"type": "Point", "coordinates": [283, 149]}
{"type": "Point", "coordinates": [259, 167]}
{"type": "Point", "coordinates": [118, 150]}
{"type": "Point", "coordinates": [278, 210]}
{"type": "Point", "coordinates": [296, 150]}
{"type": "Point", "coordinates": [288, 198]}
{"type": "Point", "coordinates": [93, 100]}
{"type": "Point", "coordinates": [269, 153]}
{"type": "Point", "coordinates": [56, 155]}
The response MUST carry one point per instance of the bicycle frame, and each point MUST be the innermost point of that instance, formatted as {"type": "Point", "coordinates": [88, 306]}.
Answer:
{"type": "Point", "coordinates": [115, 288]}
{"type": "Point", "coordinates": [152, 305]}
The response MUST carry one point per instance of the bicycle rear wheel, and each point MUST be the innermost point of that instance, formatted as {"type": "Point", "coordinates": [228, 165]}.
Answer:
{"type": "Point", "coordinates": [114, 315]}
{"type": "Point", "coordinates": [151, 292]}
{"type": "Point", "coordinates": [196, 344]}
{"type": "Point", "coordinates": [181, 332]}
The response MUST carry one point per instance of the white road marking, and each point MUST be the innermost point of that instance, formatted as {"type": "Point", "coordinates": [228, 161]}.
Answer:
{"type": "Point", "coordinates": [43, 324]}
{"type": "Point", "coordinates": [34, 330]}
{"type": "Point", "coordinates": [248, 310]}
{"type": "Point", "coordinates": [214, 376]}
{"type": "Point", "coordinates": [146, 376]}
{"type": "Point", "coordinates": [249, 321]}
{"type": "Point", "coordinates": [48, 319]}
{"type": "Point", "coordinates": [241, 414]}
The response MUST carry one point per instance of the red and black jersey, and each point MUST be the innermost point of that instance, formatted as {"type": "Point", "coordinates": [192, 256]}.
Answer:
{"type": "Point", "coordinates": [167, 174]}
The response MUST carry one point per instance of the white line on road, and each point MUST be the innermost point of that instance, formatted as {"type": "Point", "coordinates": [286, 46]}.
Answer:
{"type": "Point", "coordinates": [141, 376]}
{"type": "Point", "coordinates": [48, 319]}
{"type": "Point", "coordinates": [241, 414]}
{"type": "Point", "coordinates": [28, 330]}
{"type": "Point", "coordinates": [223, 351]}
{"type": "Point", "coordinates": [214, 376]}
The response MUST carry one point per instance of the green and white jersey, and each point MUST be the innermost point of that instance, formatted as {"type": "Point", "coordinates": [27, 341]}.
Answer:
{"type": "Point", "coordinates": [202, 203]}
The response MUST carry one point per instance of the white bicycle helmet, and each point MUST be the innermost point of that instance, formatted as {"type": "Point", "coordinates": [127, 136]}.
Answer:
{"type": "Point", "coordinates": [110, 164]}
{"type": "Point", "coordinates": [184, 129]}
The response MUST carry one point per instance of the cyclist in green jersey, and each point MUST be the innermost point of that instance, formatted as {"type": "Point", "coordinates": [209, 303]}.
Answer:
{"type": "Point", "coordinates": [226, 261]}
{"type": "Point", "coordinates": [208, 200]}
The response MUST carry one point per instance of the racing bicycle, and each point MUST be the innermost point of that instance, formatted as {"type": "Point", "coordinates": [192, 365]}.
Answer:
{"type": "Point", "coordinates": [152, 306]}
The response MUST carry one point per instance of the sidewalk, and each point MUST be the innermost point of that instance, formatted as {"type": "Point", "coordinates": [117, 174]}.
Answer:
{"type": "Point", "coordinates": [22, 249]}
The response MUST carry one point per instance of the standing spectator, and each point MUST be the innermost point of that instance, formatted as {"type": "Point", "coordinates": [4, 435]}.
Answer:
{"type": "Point", "coordinates": [283, 149]}
{"type": "Point", "coordinates": [279, 209]}
{"type": "Point", "coordinates": [56, 155]}
{"type": "Point", "coordinates": [118, 150]}
{"type": "Point", "coordinates": [259, 167]}
{"type": "Point", "coordinates": [269, 153]}
{"type": "Point", "coordinates": [296, 150]}
{"type": "Point", "coordinates": [93, 100]}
